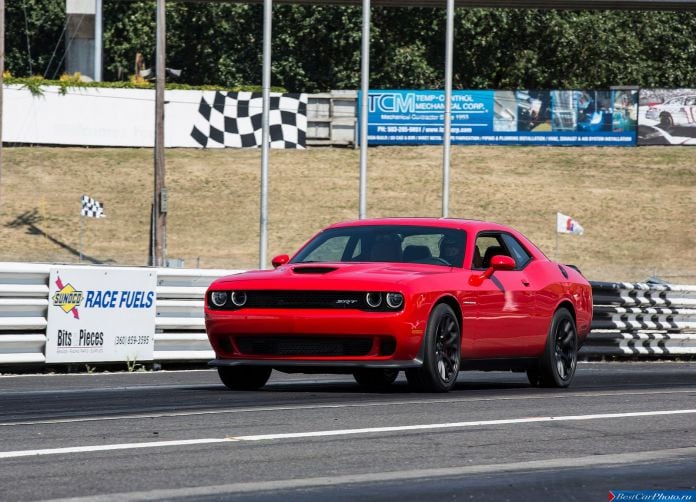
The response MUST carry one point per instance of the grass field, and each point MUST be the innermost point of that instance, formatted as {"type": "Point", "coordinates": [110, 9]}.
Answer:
{"type": "Point", "coordinates": [637, 205]}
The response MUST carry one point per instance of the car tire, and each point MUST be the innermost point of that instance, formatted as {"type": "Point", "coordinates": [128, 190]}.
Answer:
{"type": "Point", "coordinates": [375, 379]}
{"type": "Point", "coordinates": [534, 376]}
{"type": "Point", "coordinates": [559, 361]}
{"type": "Point", "coordinates": [244, 377]}
{"type": "Point", "coordinates": [666, 120]}
{"type": "Point", "coordinates": [441, 354]}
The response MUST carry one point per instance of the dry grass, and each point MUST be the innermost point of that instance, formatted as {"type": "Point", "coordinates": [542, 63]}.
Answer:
{"type": "Point", "coordinates": [636, 204]}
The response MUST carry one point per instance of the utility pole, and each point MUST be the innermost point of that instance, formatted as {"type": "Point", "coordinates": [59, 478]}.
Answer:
{"type": "Point", "coordinates": [2, 82]}
{"type": "Point", "coordinates": [159, 206]}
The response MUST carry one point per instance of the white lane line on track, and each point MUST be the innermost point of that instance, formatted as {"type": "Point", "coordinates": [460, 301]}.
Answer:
{"type": "Point", "coordinates": [458, 425]}
{"type": "Point", "coordinates": [339, 432]}
{"type": "Point", "coordinates": [143, 387]}
{"type": "Point", "coordinates": [105, 390]}
{"type": "Point", "coordinates": [370, 404]}
{"type": "Point", "coordinates": [642, 457]}
{"type": "Point", "coordinates": [111, 447]}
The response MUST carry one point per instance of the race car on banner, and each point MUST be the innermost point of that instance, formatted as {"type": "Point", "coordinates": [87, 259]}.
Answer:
{"type": "Point", "coordinates": [425, 295]}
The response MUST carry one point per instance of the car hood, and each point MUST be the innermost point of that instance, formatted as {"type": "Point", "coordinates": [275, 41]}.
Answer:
{"type": "Point", "coordinates": [331, 276]}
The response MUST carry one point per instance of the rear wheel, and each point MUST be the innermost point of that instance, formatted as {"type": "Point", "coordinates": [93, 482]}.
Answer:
{"type": "Point", "coordinates": [559, 361]}
{"type": "Point", "coordinates": [244, 377]}
{"type": "Point", "coordinates": [442, 352]}
{"type": "Point", "coordinates": [375, 379]}
{"type": "Point", "coordinates": [666, 120]}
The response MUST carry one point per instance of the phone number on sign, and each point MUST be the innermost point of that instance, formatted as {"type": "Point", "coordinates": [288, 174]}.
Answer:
{"type": "Point", "coordinates": [133, 340]}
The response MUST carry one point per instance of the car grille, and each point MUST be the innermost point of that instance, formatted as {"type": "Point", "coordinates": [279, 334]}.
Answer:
{"type": "Point", "coordinates": [305, 299]}
{"type": "Point", "coordinates": [303, 346]}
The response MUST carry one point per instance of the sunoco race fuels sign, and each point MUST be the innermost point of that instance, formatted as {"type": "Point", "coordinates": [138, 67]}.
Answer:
{"type": "Point", "coordinates": [100, 315]}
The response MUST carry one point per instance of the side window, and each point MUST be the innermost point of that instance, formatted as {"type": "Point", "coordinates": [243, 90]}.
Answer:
{"type": "Point", "coordinates": [487, 246]}
{"type": "Point", "coordinates": [518, 252]}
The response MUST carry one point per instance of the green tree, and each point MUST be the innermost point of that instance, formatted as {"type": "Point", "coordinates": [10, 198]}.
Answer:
{"type": "Point", "coordinates": [317, 47]}
{"type": "Point", "coordinates": [34, 41]}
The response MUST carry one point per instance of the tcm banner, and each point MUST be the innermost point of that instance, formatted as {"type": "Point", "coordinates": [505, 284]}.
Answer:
{"type": "Point", "coordinates": [504, 117]}
{"type": "Point", "coordinates": [97, 315]}
{"type": "Point", "coordinates": [667, 117]}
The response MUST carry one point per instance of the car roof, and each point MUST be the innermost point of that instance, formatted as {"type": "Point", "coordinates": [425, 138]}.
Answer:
{"type": "Point", "coordinates": [472, 227]}
{"type": "Point", "coordinates": [458, 223]}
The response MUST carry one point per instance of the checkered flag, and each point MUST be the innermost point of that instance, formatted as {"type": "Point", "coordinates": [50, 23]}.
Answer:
{"type": "Point", "coordinates": [92, 208]}
{"type": "Point", "coordinates": [234, 119]}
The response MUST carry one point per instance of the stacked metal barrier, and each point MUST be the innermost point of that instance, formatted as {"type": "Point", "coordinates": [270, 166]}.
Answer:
{"type": "Point", "coordinates": [23, 312]}
{"type": "Point", "coordinates": [630, 320]}
{"type": "Point", "coordinates": [642, 320]}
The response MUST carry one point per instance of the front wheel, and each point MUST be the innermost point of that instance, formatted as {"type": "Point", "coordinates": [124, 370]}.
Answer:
{"type": "Point", "coordinates": [441, 355]}
{"type": "Point", "coordinates": [559, 361]}
{"type": "Point", "coordinates": [244, 377]}
{"type": "Point", "coordinates": [666, 120]}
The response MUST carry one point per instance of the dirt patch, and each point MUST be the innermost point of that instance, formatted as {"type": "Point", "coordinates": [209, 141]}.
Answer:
{"type": "Point", "coordinates": [636, 204]}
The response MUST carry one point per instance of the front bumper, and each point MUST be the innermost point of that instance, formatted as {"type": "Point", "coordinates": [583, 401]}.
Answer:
{"type": "Point", "coordinates": [390, 340]}
{"type": "Point", "coordinates": [319, 365]}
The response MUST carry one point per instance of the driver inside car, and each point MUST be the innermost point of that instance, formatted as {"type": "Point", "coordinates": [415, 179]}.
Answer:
{"type": "Point", "coordinates": [451, 250]}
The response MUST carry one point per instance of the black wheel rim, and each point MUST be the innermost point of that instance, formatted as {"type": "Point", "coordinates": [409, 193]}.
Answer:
{"type": "Point", "coordinates": [447, 348]}
{"type": "Point", "coordinates": [565, 349]}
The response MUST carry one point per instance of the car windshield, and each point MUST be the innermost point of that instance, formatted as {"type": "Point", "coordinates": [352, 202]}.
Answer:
{"type": "Point", "coordinates": [386, 243]}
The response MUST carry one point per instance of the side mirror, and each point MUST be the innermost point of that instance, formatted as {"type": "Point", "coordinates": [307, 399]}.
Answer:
{"type": "Point", "coordinates": [498, 262]}
{"type": "Point", "coordinates": [279, 260]}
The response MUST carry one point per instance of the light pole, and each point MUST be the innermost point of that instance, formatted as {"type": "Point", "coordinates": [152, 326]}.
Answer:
{"type": "Point", "coordinates": [365, 89]}
{"type": "Point", "coordinates": [447, 136]}
{"type": "Point", "coordinates": [266, 85]}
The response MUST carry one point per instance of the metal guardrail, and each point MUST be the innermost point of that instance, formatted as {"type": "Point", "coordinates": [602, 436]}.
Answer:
{"type": "Point", "coordinates": [630, 320]}
{"type": "Point", "coordinates": [23, 312]}
{"type": "Point", "coordinates": [179, 327]}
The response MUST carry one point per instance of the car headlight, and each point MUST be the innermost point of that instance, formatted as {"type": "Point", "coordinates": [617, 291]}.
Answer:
{"type": "Point", "coordinates": [373, 300]}
{"type": "Point", "coordinates": [218, 298]}
{"type": "Point", "coordinates": [384, 301]}
{"type": "Point", "coordinates": [395, 300]}
{"type": "Point", "coordinates": [239, 298]}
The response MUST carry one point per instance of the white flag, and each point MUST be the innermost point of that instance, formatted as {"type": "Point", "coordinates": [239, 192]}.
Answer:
{"type": "Point", "coordinates": [567, 225]}
{"type": "Point", "coordinates": [92, 208]}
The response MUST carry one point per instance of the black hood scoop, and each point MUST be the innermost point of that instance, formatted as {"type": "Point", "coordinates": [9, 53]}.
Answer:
{"type": "Point", "coordinates": [313, 269]}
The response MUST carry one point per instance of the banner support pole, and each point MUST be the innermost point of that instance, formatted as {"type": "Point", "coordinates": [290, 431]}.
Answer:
{"type": "Point", "coordinates": [81, 218]}
{"type": "Point", "coordinates": [365, 91]}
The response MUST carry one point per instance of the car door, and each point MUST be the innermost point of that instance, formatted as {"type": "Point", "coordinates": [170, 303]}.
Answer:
{"type": "Point", "coordinates": [690, 109]}
{"type": "Point", "coordinates": [505, 323]}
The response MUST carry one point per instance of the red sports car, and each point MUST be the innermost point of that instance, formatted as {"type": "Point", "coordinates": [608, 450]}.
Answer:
{"type": "Point", "coordinates": [426, 295]}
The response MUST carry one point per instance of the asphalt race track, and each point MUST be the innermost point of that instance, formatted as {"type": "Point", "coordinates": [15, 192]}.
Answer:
{"type": "Point", "coordinates": [182, 435]}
